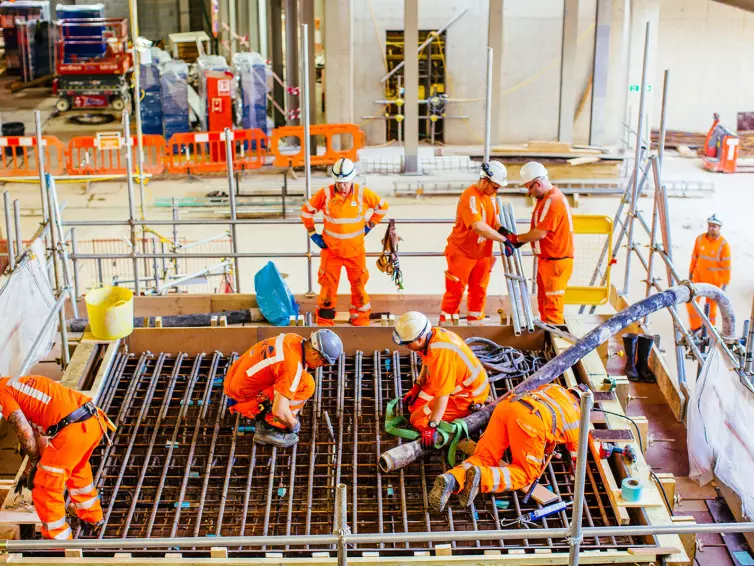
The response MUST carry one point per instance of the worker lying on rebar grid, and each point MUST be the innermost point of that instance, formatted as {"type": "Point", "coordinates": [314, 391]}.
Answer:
{"type": "Point", "coordinates": [58, 429]}
{"type": "Point", "coordinates": [531, 428]}
{"type": "Point", "coordinates": [270, 382]}
{"type": "Point", "coordinates": [452, 381]}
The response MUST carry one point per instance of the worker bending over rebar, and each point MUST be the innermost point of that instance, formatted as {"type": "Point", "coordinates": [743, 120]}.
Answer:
{"type": "Point", "coordinates": [452, 381]}
{"type": "Point", "coordinates": [270, 382]}
{"type": "Point", "coordinates": [58, 429]}
{"type": "Point", "coordinates": [530, 427]}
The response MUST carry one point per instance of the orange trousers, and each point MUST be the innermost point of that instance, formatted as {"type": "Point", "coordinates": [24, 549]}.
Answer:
{"type": "Point", "coordinates": [466, 272]}
{"type": "Point", "coordinates": [329, 278]}
{"type": "Point", "coordinates": [65, 464]}
{"type": "Point", "coordinates": [512, 426]}
{"type": "Point", "coordinates": [695, 319]}
{"type": "Point", "coordinates": [552, 280]}
{"type": "Point", "coordinates": [250, 408]}
{"type": "Point", "coordinates": [458, 408]}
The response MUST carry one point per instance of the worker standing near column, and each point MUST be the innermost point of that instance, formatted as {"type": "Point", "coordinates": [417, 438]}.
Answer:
{"type": "Point", "coordinates": [470, 245]}
{"type": "Point", "coordinates": [58, 429]}
{"type": "Point", "coordinates": [551, 237]}
{"type": "Point", "coordinates": [710, 263]}
{"type": "Point", "coordinates": [345, 205]}
{"type": "Point", "coordinates": [270, 382]}
{"type": "Point", "coordinates": [452, 381]}
{"type": "Point", "coordinates": [531, 428]}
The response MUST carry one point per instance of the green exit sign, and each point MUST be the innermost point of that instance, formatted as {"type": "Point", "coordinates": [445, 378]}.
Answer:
{"type": "Point", "coordinates": [637, 88]}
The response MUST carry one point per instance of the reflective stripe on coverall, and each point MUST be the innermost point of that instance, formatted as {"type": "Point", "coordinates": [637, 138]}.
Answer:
{"type": "Point", "coordinates": [275, 365]}
{"type": "Point", "coordinates": [64, 462]}
{"type": "Point", "coordinates": [710, 263]}
{"type": "Point", "coordinates": [528, 432]}
{"type": "Point", "coordinates": [555, 253]}
{"type": "Point", "coordinates": [344, 222]}
{"type": "Point", "coordinates": [452, 369]}
{"type": "Point", "coordinates": [469, 256]}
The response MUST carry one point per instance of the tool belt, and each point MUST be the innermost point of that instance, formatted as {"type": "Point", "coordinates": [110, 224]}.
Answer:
{"type": "Point", "coordinates": [388, 262]}
{"type": "Point", "coordinates": [264, 407]}
{"type": "Point", "coordinates": [83, 413]}
{"type": "Point", "coordinates": [534, 410]}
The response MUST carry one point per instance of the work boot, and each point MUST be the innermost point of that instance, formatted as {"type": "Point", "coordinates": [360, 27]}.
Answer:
{"type": "Point", "coordinates": [266, 434]}
{"type": "Point", "coordinates": [644, 349]}
{"type": "Point", "coordinates": [471, 489]}
{"type": "Point", "coordinates": [445, 485]}
{"type": "Point", "coordinates": [629, 345]}
{"type": "Point", "coordinates": [91, 529]}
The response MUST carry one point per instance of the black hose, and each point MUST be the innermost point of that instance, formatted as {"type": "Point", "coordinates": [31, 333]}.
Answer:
{"type": "Point", "coordinates": [504, 362]}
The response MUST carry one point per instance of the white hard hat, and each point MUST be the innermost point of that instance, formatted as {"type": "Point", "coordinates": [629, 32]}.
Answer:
{"type": "Point", "coordinates": [327, 344]}
{"type": "Point", "coordinates": [495, 172]}
{"type": "Point", "coordinates": [530, 171]}
{"type": "Point", "coordinates": [714, 220]}
{"type": "Point", "coordinates": [344, 170]}
{"type": "Point", "coordinates": [409, 327]}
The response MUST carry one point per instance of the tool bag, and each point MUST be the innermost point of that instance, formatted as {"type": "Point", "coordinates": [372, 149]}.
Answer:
{"type": "Point", "coordinates": [388, 262]}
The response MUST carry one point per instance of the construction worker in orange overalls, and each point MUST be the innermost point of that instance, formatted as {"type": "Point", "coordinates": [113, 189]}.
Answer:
{"type": "Point", "coordinates": [551, 237]}
{"type": "Point", "coordinates": [710, 263]}
{"type": "Point", "coordinates": [531, 428]}
{"type": "Point", "coordinates": [344, 205]}
{"type": "Point", "coordinates": [452, 381]}
{"type": "Point", "coordinates": [469, 249]}
{"type": "Point", "coordinates": [37, 407]}
{"type": "Point", "coordinates": [270, 382]}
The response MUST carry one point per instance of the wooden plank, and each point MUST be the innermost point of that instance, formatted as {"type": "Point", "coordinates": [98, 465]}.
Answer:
{"type": "Point", "coordinates": [218, 552]}
{"type": "Point", "coordinates": [74, 553]}
{"type": "Point", "coordinates": [667, 481]}
{"type": "Point", "coordinates": [654, 551]}
{"type": "Point", "coordinates": [688, 540]}
{"type": "Point", "coordinates": [10, 532]}
{"type": "Point", "coordinates": [443, 550]}
{"type": "Point", "coordinates": [584, 160]}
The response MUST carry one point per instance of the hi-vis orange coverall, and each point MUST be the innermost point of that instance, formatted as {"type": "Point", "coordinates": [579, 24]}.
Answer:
{"type": "Point", "coordinates": [710, 263]}
{"type": "Point", "coordinates": [345, 219]}
{"type": "Point", "coordinates": [530, 427]}
{"type": "Point", "coordinates": [275, 365]}
{"type": "Point", "coordinates": [452, 369]}
{"type": "Point", "coordinates": [469, 256]}
{"type": "Point", "coordinates": [64, 461]}
{"type": "Point", "coordinates": [555, 254]}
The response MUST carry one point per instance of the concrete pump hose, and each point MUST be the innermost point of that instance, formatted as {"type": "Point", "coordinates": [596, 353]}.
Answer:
{"type": "Point", "coordinates": [401, 456]}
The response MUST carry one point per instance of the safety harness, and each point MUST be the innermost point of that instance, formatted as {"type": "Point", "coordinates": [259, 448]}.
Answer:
{"type": "Point", "coordinates": [388, 262]}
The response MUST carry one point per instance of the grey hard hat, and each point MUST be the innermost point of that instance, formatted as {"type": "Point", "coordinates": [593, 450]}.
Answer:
{"type": "Point", "coordinates": [327, 344]}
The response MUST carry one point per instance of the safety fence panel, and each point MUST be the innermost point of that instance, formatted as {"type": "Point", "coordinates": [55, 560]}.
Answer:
{"type": "Point", "coordinates": [205, 152]}
{"type": "Point", "coordinates": [19, 156]}
{"type": "Point", "coordinates": [106, 155]}
{"type": "Point", "coordinates": [592, 234]}
{"type": "Point", "coordinates": [331, 132]}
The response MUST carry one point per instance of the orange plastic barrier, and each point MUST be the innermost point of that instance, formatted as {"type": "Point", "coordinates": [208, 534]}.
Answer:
{"type": "Point", "coordinates": [329, 131]}
{"type": "Point", "coordinates": [105, 154]}
{"type": "Point", "coordinates": [205, 152]}
{"type": "Point", "coordinates": [19, 156]}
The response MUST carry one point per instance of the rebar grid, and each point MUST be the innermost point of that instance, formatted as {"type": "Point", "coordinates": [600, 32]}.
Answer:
{"type": "Point", "coordinates": [182, 465]}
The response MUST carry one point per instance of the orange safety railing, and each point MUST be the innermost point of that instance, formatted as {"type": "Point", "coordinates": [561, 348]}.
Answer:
{"type": "Point", "coordinates": [89, 155]}
{"type": "Point", "coordinates": [329, 131]}
{"type": "Point", "coordinates": [198, 153]}
{"type": "Point", "coordinates": [19, 156]}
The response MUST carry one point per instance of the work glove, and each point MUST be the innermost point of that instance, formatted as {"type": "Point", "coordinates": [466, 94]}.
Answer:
{"type": "Point", "coordinates": [428, 437]}
{"type": "Point", "coordinates": [295, 429]}
{"type": "Point", "coordinates": [508, 248]}
{"type": "Point", "coordinates": [411, 397]}
{"type": "Point", "coordinates": [724, 288]}
{"type": "Point", "coordinates": [26, 481]}
{"type": "Point", "coordinates": [319, 240]}
{"type": "Point", "coordinates": [510, 236]}
{"type": "Point", "coordinates": [368, 228]}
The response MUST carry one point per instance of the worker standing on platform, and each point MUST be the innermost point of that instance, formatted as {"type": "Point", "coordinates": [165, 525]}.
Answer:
{"type": "Point", "coordinates": [270, 382]}
{"type": "Point", "coordinates": [469, 250]}
{"type": "Point", "coordinates": [531, 428]}
{"type": "Point", "coordinates": [37, 407]}
{"type": "Point", "coordinates": [344, 205]}
{"type": "Point", "coordinates": [710, 263]}
{"type": "Point", "coordinates": [551, 237]}
{"type": "Point", "coordinates": [452, 381]}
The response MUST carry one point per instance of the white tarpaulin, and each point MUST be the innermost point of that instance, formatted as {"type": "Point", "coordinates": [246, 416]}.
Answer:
{"type": "Point", "coordinates": [26, 299]}
{"type": "Point", "coordinates": [721, 429]}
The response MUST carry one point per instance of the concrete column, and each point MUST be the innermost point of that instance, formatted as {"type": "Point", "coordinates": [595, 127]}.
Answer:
{"type": "Point", "coordinates": [233, 23]}
{"type": "Point", "coordinates": [495, 40]}
{"type": "Point", "coordinates": [339, 61]}
{"type": "Point", "coordinates": [601, 62]}
{"type": "Point", "coordinates": [568, 85]}
{"type": "Point", "coordinates": [307, 17]}
{"type": "Point", "coordinates": [184, 15]}
{"type": "Point", "coordinates": [642, 11]}
{"type": "Point", "coordinates": [411, 86]}
{"type": "Point", "coordinates": [252, 26]}
{"type": "Point", "coordinates": [291, 54]}
{"type": "Point", "coordinates": [224, 9]}
{"type": "Point", "coordinates": [262, 27]}
{"type": "Point", "coordinates": [275, 35]}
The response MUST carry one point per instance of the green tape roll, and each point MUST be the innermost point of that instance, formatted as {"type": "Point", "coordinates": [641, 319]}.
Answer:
{"type": "Point", "coordinates": [631, 489]}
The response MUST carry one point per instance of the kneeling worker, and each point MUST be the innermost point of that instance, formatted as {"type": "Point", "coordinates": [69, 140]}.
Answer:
{"type": "Point", "coordinates": [270, 383]}
{"type": "Point", "coordinates": [36, 406]}
{"type": "Point", "coordinates": [452, 380]}
{"type": "Point", "coordinates": [531, 428]}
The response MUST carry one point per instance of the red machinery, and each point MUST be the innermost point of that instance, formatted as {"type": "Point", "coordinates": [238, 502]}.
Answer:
{"type": "Point", "coordinates": [720, 148]}
{"type": "Point", "coordinates": [91, 62]}
{"type": "Point", "coordinates": [219, 100]}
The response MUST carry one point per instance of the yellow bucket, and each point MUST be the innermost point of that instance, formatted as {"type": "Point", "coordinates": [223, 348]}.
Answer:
{"type": "Point", "coordinates": [111, 312]}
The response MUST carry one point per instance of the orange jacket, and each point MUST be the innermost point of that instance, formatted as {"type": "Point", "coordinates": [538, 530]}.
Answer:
{"type": "Point", "coordinates": [559, 410]}
{"type": "Point", "coordinates": [473, 206]}
{"type": "Point", "coordinates": [43, 402]}
{"type": "Point", "coordinates": [452, 369]}
{"type": "Point", "coordinates": [710, 261]}
{"type": "Point", "coordinates": [553, 214]}
{"type": "Point", "coordinates": [345, 217]}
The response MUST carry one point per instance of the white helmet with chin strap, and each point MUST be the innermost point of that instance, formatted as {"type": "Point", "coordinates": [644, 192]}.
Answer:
{"type": "Point", "coordinates": [495, 172]}
{"type": "Point", "coordinates": [410, 327]}
{"type": "Point", "coordinates": [714, 220]}
{"type": "Point", "coordinates": [344, 170]}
